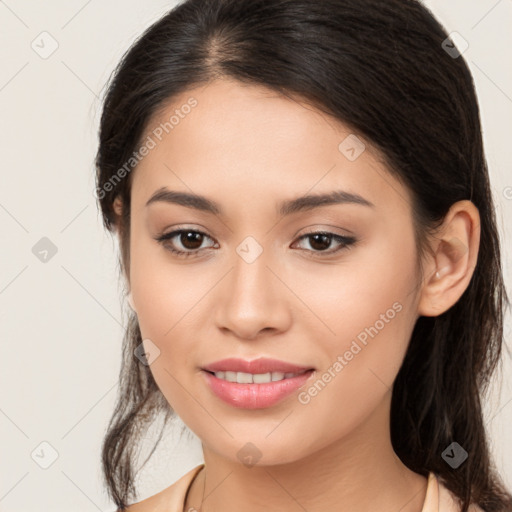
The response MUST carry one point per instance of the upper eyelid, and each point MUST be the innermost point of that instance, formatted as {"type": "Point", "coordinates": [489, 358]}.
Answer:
{"type": "Point", "coordinates": [178, 231]}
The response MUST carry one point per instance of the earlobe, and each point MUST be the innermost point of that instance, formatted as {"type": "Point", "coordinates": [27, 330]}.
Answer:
{"type": "Point", "coordinates": [118, 205]}
{"type": "Point", "coordinates": [455, 253]}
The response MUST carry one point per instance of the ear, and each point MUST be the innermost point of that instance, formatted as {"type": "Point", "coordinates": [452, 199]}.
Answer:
{"type": "Point", "coordinates": [118, 205]}
{"type": "Point", "coordinates": [450, 267]}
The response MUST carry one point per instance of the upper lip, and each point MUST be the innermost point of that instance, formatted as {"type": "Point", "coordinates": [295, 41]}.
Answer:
{"type": "Point", "coordinates": [256, 366]}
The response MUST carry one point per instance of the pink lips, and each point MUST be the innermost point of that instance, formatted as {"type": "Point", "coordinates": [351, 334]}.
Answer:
{"type": "Point", "coordinates": [255, 396]}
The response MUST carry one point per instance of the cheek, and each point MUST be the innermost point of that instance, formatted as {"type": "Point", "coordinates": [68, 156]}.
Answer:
{"type": "Point", "coordinates": [370, 293]}
{"type": "Point", "coordinates": [166, 293]}
{"type": "Point", "coordinates": [368, 305]}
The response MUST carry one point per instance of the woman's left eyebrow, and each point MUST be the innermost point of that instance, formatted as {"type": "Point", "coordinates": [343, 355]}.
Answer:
{"type": "Point", "coordinates": [288, 207]}
{"type": "Point", "coordinates": [311, 201]}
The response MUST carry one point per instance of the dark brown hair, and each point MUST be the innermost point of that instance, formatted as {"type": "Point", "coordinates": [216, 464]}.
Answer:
{"type": "Point", "coordinates": [382, 69]}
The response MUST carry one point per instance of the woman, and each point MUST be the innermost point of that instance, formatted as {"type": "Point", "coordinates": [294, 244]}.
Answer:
{"type": "Point", "coordinates": [308, 238]}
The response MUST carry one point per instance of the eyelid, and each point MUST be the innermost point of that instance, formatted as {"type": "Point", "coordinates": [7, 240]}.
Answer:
{"type": "Point", "coordinates": [325, 228]}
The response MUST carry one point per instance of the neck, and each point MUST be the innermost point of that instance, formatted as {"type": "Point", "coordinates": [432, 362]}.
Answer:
{"type": "Point", "coordinates": [358, 472]}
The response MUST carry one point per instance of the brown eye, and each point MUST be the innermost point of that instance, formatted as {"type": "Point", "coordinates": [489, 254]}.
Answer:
{"type": "Point", "coordinates": [191, 239]}
{"type": "Point", "coordinates": [320, 241]}
{"type": "Point", "coordinates": [188, 242]}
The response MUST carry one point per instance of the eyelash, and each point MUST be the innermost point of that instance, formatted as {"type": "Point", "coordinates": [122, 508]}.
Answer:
{"type": "Point", "coordinates": [345, 241]}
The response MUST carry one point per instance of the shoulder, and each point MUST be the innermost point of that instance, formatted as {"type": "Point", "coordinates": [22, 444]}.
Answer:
{"type": "Point", "coordinates": [170, 499]}
{"type": "Point", "coordinates": [449, 503]}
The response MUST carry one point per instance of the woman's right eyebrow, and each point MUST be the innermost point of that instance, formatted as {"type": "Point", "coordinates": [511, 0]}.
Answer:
{"type": "Point", "coordinates": [187, 199]}
{"type": "Point", "coordinates": [288, 207]}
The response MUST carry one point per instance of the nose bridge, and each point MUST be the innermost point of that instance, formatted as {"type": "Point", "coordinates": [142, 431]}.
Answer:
{"type": "Point", "coordinates": [251, 277]}
{"type": "Point", "coordinates": [252, 297]}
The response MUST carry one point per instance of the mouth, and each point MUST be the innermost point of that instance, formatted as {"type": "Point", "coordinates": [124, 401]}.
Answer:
{"type": "Point", "coordinates": [254, 391]}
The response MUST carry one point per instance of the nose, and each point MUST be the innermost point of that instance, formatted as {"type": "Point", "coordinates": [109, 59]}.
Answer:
{"type": "Point", "coordinates": [253, 299]}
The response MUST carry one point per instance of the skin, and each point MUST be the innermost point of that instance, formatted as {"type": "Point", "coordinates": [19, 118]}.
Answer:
{"type": "Point", "coordinates": [248, 149]}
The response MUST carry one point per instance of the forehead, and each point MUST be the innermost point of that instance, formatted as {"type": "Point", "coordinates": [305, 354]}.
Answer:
{"type": "Point", "coordinates": [231, 138]}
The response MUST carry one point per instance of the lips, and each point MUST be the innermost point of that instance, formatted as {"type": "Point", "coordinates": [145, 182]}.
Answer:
{"type": "Point", "coordinates": [256, 384]}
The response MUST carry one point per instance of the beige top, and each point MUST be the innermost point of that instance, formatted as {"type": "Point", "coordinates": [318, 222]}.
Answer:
{"type": "Point", "coordinates": [437, 499]}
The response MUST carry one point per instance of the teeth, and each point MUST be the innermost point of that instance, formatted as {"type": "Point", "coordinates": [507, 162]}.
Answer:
{"type": "Point", "coordinates": [250, 378]}
{"type": "Point", "coordinates": [244, 378]}
{"type": "Point", "coordinates": [261, 378]}
{"type": "Point", "coordinates": [230, 376]}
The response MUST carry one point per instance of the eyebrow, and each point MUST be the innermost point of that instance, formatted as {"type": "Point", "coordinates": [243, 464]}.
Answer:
{"type": "Point", "coordinates": [288, 207]}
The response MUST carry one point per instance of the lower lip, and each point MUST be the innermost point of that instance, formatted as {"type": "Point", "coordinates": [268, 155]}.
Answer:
{"type": "Point", "coordinates": [255, 396]}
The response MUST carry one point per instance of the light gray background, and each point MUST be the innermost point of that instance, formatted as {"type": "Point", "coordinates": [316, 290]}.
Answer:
{"type": "Point", "coordinates": [61, 321]}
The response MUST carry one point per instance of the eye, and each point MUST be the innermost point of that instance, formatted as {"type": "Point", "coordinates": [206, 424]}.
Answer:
{"type": "Point", "coordinates": [190, 239]}
{"type": "Point", "coordinates": [321, 240]}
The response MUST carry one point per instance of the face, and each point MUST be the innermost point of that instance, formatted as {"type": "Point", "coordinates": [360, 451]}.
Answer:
{"type": "Point", "coordinates": [329, 287]}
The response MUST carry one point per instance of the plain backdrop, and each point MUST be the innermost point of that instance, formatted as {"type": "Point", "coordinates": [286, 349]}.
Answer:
{"type": "Point", "coordinates": [61, 319]}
